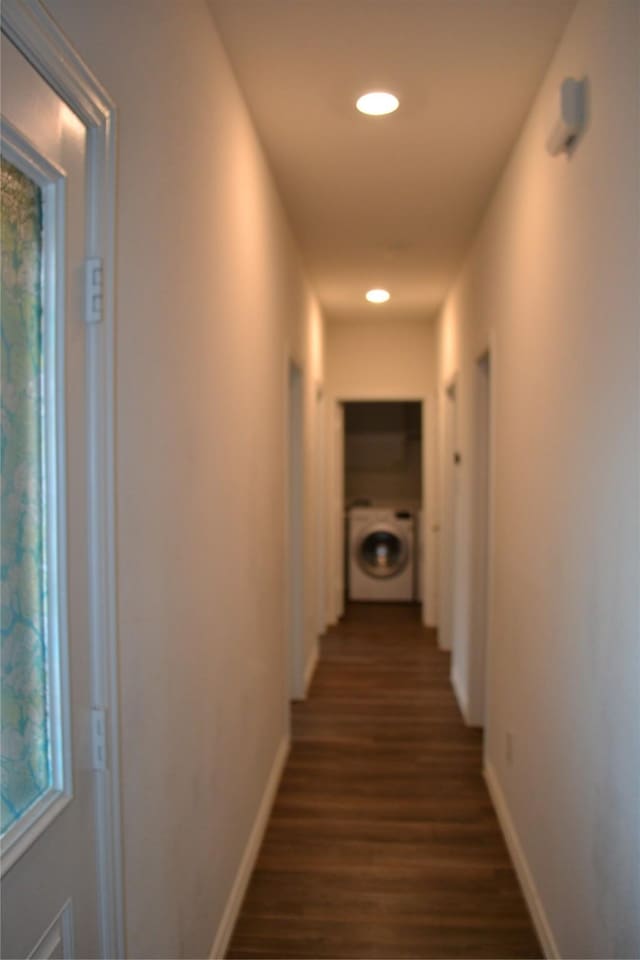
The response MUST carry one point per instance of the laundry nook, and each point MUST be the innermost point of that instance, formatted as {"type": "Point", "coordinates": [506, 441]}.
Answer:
{"type": "Point", "coordinates": [383, 494]}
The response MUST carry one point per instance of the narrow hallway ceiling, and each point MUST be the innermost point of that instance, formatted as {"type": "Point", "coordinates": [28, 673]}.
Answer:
{"type": "Point", "coordinates": [389, 201]}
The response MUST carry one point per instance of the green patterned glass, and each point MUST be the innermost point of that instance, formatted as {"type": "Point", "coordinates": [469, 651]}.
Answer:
{"type": "Point", "coordinates": [25, 748]}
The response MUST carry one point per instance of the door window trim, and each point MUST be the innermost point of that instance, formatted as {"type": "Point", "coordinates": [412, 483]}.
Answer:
{"type": "Point", "coordinates": [41, 813]}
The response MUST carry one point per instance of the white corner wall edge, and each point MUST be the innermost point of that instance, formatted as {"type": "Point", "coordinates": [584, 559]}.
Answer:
{"type": "Point", "coordinates": [461, 699]}
{"type": "Point", "coordinates": [310, 669]}
{"type": "Point", "coordinates": [250, 855]}
{"type": "Point", "coordinates": [529, 889]}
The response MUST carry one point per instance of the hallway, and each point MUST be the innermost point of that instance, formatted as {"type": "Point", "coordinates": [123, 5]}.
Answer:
{"type": "Point", "coordinates": [233, 230]}
{"type": "Point", "coordinates": [383, 841]}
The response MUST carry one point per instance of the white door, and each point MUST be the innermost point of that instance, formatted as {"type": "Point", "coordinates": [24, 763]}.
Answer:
{"type": "Point", "coordinates": [49, 861]}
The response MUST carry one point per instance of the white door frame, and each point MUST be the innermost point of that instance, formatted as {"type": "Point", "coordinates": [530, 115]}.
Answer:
{"type": "Point", "coordinates": [335, 509]}
{"type": "Point", "coordinates": [31, 29]}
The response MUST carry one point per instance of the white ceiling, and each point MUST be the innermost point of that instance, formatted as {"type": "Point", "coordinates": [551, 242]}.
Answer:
{"type": "Point", "coordinates": [388, 201]}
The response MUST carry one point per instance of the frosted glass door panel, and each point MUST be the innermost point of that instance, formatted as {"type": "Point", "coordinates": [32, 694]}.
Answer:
{"type": "Point", "coordinates": [25, 740]}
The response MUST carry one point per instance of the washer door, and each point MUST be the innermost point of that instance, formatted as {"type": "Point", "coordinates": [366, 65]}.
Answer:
{"type": "Point", "coordinates": [381, 551]}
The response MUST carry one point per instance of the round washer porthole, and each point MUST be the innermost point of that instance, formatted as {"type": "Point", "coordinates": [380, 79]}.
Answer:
{"type": "Point", "coordinates": [381, 553]}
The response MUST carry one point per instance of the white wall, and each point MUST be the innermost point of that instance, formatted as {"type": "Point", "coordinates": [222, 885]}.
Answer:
{"type": "Point", "coordinates": [553, 274]}
{"type": "Point", "coordinates": [380, 361]}
{"type": "Point", "coordinates": [210, 296]}
{"type": "Point", "coordinates": [383, 361]}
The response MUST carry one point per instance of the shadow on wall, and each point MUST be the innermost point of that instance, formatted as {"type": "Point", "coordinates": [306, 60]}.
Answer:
{"type": "Point", "coordinates": [383, 453]}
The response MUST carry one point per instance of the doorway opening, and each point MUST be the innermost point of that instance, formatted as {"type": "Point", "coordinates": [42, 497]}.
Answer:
{"type": "Point", "coordinates": [383, 486]}
{"type": "Point", "coordinates": [321, 616]}
{"type": "Point", "coordinates": [481, 537]}
{"type": "Point", "coordinates": [450, 486]}
{"type": "Point", "coordinates": [295, 533]}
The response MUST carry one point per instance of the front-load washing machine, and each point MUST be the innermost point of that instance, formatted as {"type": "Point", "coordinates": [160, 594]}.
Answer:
{"type": "Point", "coordinates": [381, 554]}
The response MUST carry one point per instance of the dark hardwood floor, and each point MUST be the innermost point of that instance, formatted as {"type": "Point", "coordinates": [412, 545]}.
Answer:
{"type": "Point", "coordinates": [383, 841]}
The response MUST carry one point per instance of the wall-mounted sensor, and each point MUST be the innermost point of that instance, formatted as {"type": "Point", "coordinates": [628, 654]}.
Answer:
{"type": "Point", "coordinates": [568, 126]}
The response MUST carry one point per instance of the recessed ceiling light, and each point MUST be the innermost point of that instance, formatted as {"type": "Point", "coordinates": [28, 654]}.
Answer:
{"type": "Point", "coordinates": [378, 296]}
{"type": "Point", "coordinates": [377, 103]}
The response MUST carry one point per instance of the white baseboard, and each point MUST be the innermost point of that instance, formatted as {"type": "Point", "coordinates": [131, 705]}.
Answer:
{"type": "Point", "coordinates": [529, 889]}
{"type": "Point", "coordinates": [458, 689]}
{"type": "Point", "coordinates": [241, 882]}
{"type": "Point", "coordinates": [310, 669]}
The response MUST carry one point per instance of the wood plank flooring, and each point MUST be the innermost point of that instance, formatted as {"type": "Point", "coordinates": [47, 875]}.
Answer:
{"type": "Point", "coordinates": [383, 841]}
